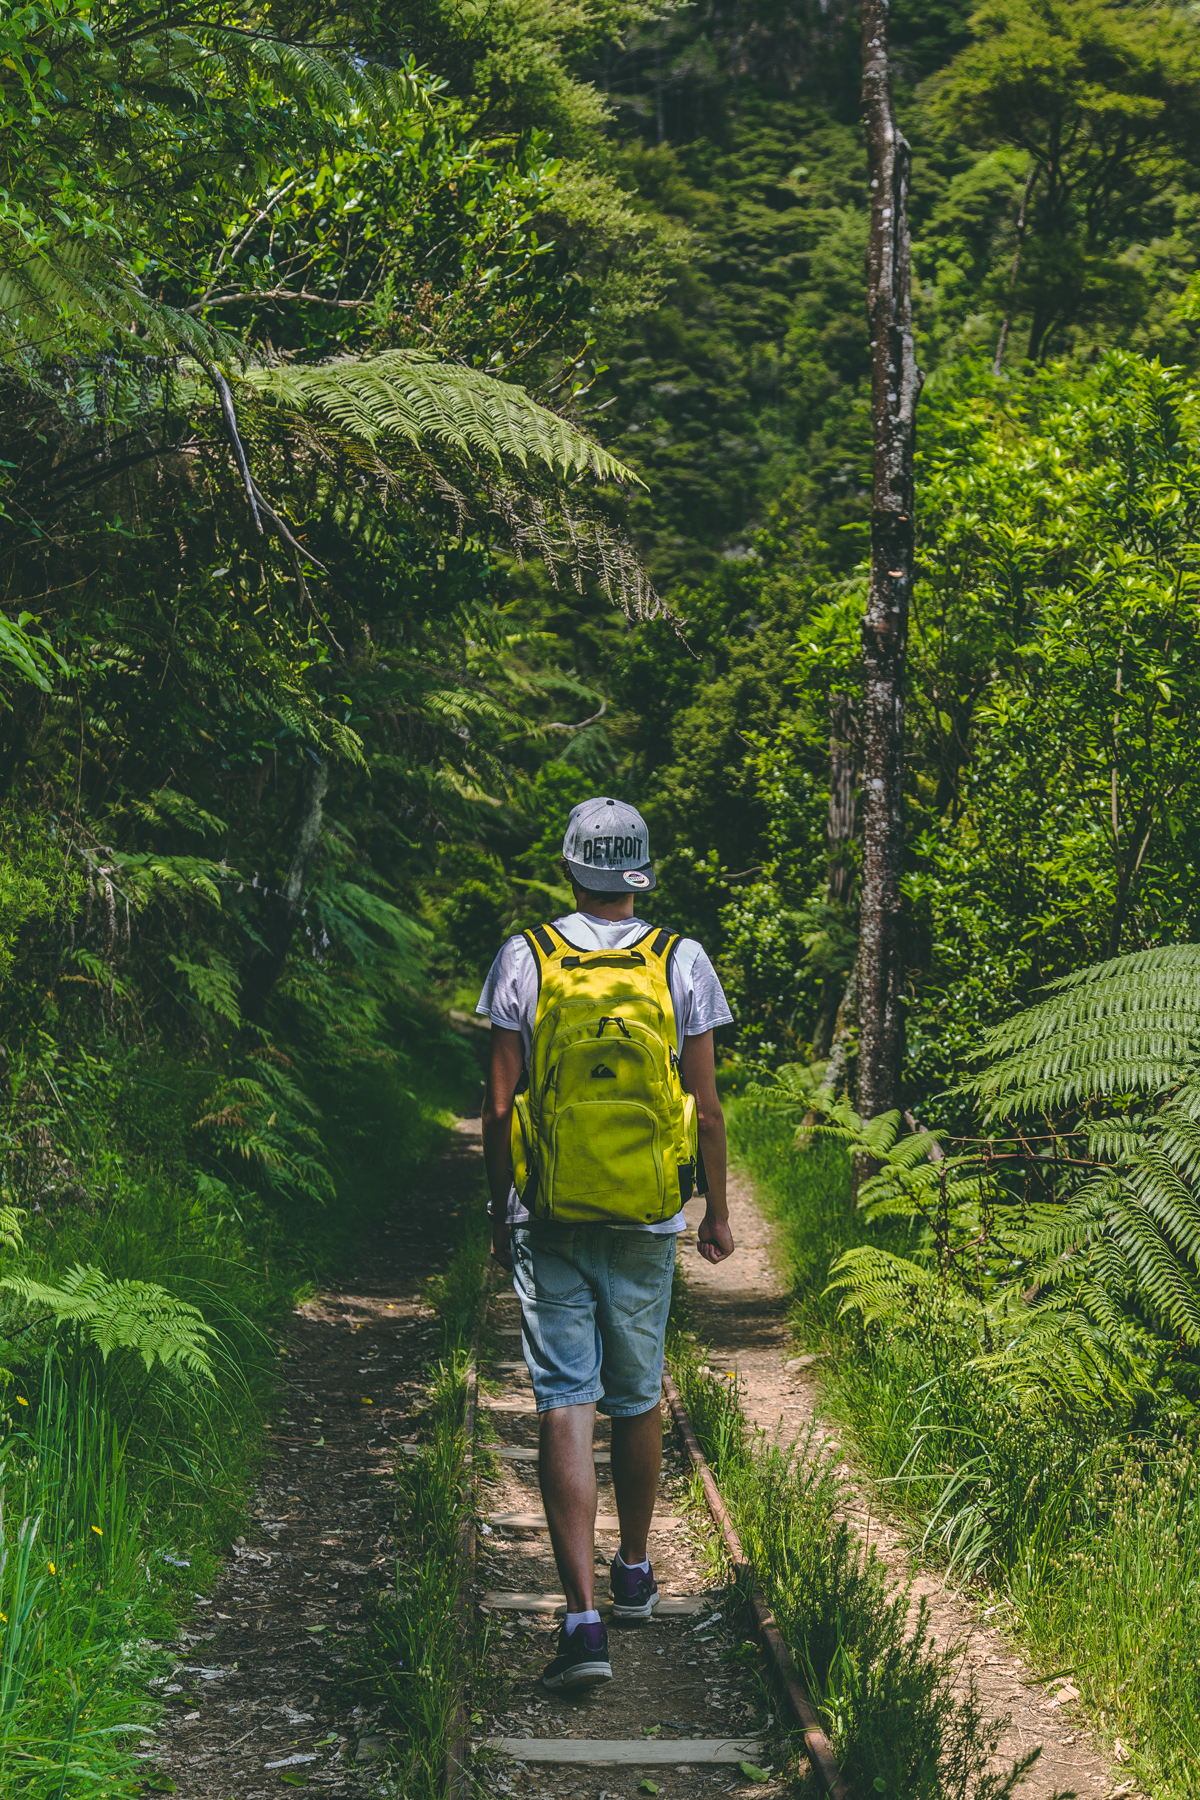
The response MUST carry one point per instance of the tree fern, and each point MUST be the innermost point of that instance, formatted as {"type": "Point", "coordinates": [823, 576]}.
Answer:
{"type": "Point", "coordinates": [1129, 1026]}
{"type": "Point", "coordinates": [410, 397]}
{"type": "Point", "coordinates": [123, 1315]}
{"type": "Point", "coordinates": [77, 221]}
{"type": "Point", "coordinates": [1073, 1233]}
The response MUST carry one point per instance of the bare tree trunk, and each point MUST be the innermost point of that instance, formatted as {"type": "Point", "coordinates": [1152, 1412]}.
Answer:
{"type": "Point", "coordinates": [1030, 175]}
{"type": "Point", "coordinates": [839, 877]}
{"type": "Point", "coordinates": [839, 832]}
{"type": "Point", "coordinates": [282, 909]}
{"type": "Point", "coordinates": [895, 386]}
{"type": "Point", "coordinates": [839, 1050]}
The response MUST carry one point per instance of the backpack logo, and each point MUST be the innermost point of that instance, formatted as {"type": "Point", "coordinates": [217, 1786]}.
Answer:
{"type": "Point", "coordinates": [603, 1072]}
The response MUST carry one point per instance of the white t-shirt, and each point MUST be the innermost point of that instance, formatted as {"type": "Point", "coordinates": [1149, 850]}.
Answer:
{"type": "Point", "coordinates": [510, 995]}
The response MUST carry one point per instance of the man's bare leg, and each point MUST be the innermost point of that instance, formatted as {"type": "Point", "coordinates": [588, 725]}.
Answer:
{"type": "Point", "coordinates": [636, 1464]}
{"type": "Point", "coordinates": [568, 1479]}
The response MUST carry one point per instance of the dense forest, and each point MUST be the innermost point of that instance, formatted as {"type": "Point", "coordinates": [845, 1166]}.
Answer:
{"type": "Point", "coordinates": [416, 418]}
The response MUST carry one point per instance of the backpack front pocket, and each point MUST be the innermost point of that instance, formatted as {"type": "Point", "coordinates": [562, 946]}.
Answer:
{"type": "Point", "coordinates": [607, 1162]}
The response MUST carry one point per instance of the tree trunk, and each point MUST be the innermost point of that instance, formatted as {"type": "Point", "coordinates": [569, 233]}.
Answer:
{"type": "Point", "coordinates": [895, 386]}
{"type": "Point", "coordinates": [281, 907]}
{"type": "Point", "coordinates": [1030, 175]}
{"type": "Point", "coordinates": [839, 875]}
{"type": "Point", "coordinates": [839, 1050]}
{"type": "Point", "coordinates": [839, 832]}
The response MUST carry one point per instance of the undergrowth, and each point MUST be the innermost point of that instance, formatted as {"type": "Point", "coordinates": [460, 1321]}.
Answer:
{"type": "Point", "coordinates": [886, 1694]}
{"type": "Point", "coordinates": [423, 1645]}
{"type": "Point", "coordinates": [1080, 1526]}
{"type": "Point", "coordinates": [124, 1477]}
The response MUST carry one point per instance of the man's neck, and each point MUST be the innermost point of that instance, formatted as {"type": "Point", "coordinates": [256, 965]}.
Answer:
{"type": "Point", "coordinates": [610, 912]}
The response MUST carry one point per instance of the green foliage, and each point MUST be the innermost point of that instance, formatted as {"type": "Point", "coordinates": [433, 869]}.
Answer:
{"type": "Point", "coordinates": [1078, 1519]}
{"type": "Point", "coordinates": [1122, 1028]}
{"type": "Point", "coordinates": [418, 400]}
{"type": "Point", "coordinates": [1102, 102]}
{"type": "Point", "coordinates": [123, 1315]}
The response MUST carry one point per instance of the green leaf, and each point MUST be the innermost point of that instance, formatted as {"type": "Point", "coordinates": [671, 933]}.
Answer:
{"type": "Point", "coordinates": [408, 397]}
{"type": "Point", "coordinates": [752, 1773]}
{"type": "Point", "coordinates": [294, 1778]}
{"type": "Point", "coordinates": [647, 1786]}
{"type": "Point", "coordinates": [124, 1315]}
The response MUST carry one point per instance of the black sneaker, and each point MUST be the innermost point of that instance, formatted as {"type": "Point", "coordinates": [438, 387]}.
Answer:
{"type": "Point", "coordinates": [634, 1591]}
{"type": "Point", "coordinates": [582, 1658]}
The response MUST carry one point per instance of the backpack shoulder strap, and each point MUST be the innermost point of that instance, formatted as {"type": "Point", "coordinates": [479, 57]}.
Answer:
{"type": "Point", "coordinates": [540, 936]}
{"type": "Point", "coordinates": [659, 948]}
{"type": "Point", "coordinates": [540, 939]}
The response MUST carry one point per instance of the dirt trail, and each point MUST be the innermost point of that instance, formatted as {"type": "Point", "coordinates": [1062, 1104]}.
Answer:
{"type": "Point", "coordinates": [741, 1311]}
{"type": "Point", "coordinates": [259, 1692]}
{"type": "Point", "coordinates": [678, 1676]}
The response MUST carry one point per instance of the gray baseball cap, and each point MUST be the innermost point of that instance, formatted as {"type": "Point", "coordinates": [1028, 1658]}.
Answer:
{"type": "Point", "coordinates": [607, 847]}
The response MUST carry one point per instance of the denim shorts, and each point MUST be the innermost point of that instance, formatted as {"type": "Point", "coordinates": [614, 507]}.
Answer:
{"type": "Point", "coordinates": [594, 1302]}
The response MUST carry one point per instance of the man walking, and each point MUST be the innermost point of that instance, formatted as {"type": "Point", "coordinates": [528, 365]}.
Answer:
{"type": "Point", "coordinates": [612, 1022]}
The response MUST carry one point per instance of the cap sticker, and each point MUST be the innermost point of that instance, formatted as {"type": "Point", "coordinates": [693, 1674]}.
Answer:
{"type": "Point", "coordinates": [636, 878]}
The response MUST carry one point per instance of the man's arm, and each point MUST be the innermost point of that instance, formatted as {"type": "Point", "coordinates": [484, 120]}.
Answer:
{"type": "Point", "coordinates": [504, 1075]}
{"type": "Point", "coordinates": [697, 1071]}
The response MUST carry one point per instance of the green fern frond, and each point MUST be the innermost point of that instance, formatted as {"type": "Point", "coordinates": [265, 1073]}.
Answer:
{"type": "Point", "coordinates": [1129, 1026]}
{"type": "Point", "coordinates": [410, 397]}
{"type": "Point", "coordinates": [124, 1315]}
{"type": "Point", "coordinates": [881, 1287]}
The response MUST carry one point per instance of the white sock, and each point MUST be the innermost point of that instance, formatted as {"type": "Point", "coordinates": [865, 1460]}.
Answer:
{"type": "Point", "coordinates": [591, 1617]}
{"type": "Point", "coordinates": [643, 1568]}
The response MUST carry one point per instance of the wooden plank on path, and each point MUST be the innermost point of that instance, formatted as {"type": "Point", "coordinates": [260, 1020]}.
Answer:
{"type": "Point", "coordinates": [522, 1453]}
{"type": "Point", "coordinates": [536, 1521]}
{"type": "Point", "coordinates": [647, 1752]}
{"type": "Point", "coordinates": [670, 1606]}
{"type": "Point", "coordinates": [512, 1368]}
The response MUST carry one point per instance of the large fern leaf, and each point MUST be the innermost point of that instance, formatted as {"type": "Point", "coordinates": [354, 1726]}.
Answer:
{"type": "Point", "coordinates": [1129, 1026]}
{"type": "Point", "coordinates": [409, 397]}
{"type": "Point", "coordinates": [124, 1315]}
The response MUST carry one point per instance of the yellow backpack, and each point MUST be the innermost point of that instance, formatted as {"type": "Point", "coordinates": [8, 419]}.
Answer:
{"type": "Point", "coordinates": [604, 1132]}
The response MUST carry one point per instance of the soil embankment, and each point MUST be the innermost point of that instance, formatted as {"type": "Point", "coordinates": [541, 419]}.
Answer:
{"type": "Point", "coordinates": [740, 1309]}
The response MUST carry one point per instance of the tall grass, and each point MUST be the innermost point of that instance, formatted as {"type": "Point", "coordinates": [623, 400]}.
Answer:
{"type": "Point", "coordinates": [80, 1593]}
{"type": "Point", "coordinates": [1088, 1535]}
{"type": "Point", "coordinates": [423, 1645]}
{"type": "Point", "coordinates": [886, 1693]}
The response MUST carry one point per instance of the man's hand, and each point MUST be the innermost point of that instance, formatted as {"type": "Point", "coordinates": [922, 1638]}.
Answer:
{"type": "Point", "coordinates": [504, 1074]}
{"type": "Point", "coordinates": [502, 1243]}
{"type": "Point", "coordinates": [697, 1071]}
{"type": "Point", "coordinates": [714, 1240]}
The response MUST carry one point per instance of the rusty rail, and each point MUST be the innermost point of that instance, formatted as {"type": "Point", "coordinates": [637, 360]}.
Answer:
{"type": "Point", "coordinates": [817, 1745]}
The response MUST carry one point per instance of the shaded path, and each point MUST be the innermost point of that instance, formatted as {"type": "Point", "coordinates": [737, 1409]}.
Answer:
{"type": "Point", "coordinates": [258, 1692]}
{"type": "Point", "coordinates": [740, 1309]}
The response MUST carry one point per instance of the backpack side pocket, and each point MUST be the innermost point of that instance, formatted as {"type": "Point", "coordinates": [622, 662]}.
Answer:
{"type": "Point", "coordinates": [524, 1169]}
